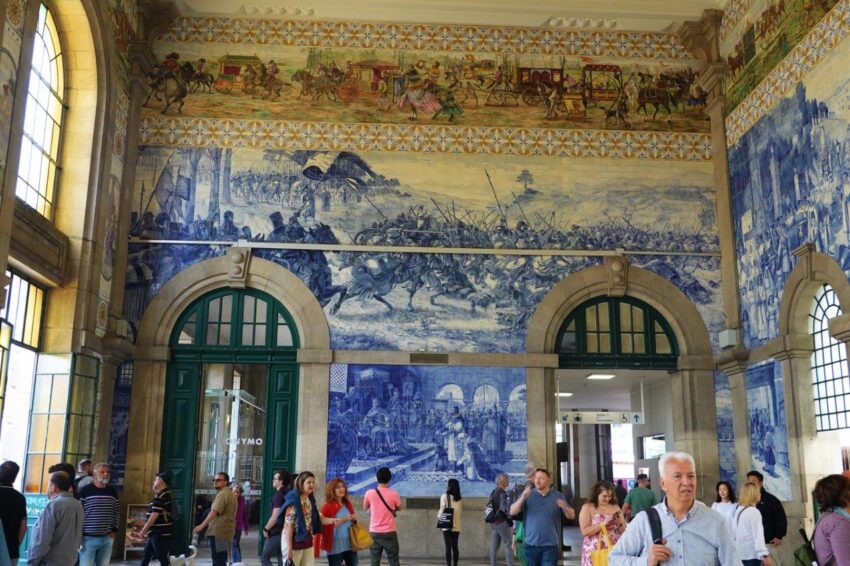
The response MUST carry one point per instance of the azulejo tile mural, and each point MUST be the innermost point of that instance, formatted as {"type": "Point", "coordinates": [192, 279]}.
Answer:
{"type": "Point", "coordinates": [375, 293]}
{"type": "Point", "coordinates": [429, 37]}
{"type": "Point", "coordinates": [273, 135]}
{"type": "Point", "coordinates": [725, 427]}
{"type": "Point", "coordinates": [214, 80]}
{"type": "Point", "coordinates": [768, 433]}
{"type": "Point", "coordinates": [427, 424]}
{"type": "Point", "coordinates": [761, 76]}
{"type": "Point", "coordinates": [789, 177]}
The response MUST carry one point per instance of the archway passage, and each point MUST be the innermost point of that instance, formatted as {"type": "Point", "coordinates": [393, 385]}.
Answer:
{"type": "Point", "coordinates": [230, 398]}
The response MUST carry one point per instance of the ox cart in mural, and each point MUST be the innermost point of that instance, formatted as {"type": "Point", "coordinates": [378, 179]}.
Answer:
{"type": "Point", "coordinates": [231, 70]}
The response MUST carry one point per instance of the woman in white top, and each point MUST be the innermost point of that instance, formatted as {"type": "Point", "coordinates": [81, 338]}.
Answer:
{"type": "Point", "coordinates": [726, 503]}
{"type": "Point", "coordinates": [450, 537]}
{"type": "Point", "coordinates": [748, 530]}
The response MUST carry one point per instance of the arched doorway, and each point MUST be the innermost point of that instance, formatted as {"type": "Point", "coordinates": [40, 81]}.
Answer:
{"type": "Point", "coordinates": [230, 399]}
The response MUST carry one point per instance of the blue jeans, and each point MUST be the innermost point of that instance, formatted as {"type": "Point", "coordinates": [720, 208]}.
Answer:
{"type": "Point", "coordinates": [349, 557]}
{"type": "Point", "coordinates": [96, 551]}
{"type": "Point", "coordinates": [235, 549]}
{"type": "Point", "coordinates": [541, 555]}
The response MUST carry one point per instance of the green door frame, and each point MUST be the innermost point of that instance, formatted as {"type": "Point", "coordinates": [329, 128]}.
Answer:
{"type": "Point", "coordinates": [183, 388]}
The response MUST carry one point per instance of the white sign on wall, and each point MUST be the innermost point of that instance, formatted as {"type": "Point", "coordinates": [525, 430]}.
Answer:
{"type": "Point", "coordinates": [601, 417]}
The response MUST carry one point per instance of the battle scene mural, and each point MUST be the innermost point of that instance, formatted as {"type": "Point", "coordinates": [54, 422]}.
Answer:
{"type": "Point", "coordinates": [427, 424]}
{"type": "Point", "coordinates": [790, 184]}
{"type": "Point", "coordinates": [377, 295]}
{"type": "Point", "coordinates": [355, 85]}
{"type": "Point", "coordinates": [768, 433]}
{"type": "Point", "coordinates": [762, 39]}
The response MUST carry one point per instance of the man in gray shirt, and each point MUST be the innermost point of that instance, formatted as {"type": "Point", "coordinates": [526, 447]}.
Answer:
{"type": "Point", "coordinates": [58, 533]}
{"type": "Point", "coordinates": [691, 533]}
{"type": "Point", "coordinates": [542, 508]}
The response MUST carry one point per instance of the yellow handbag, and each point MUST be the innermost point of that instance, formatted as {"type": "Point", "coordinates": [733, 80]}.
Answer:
{"type": "Point", "coordinates": [599, 557]}
{"type": "Point", "coordinates": [359, 537]}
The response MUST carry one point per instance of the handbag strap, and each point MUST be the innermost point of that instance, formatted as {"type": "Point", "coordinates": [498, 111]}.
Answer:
{"type": "Point", "coordinates": [449, 501]}
{"type": "Point", "coordinates": [384, 501]}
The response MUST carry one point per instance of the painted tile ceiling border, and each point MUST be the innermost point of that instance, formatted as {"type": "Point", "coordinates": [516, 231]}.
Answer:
{"type": "Point", "coordinates": [15, 16]}
{"type": "Point", "coordinates": [431, 37]}
{"type": "Point", "coordinates": [732, 14]}
{"type": "Point", "coordinates": [834, 27]}
{"type": "Point", "coordinates": [266, 134]}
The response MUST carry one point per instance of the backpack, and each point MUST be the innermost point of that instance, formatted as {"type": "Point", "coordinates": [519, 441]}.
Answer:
{"type": "Point", "coordinates": [491, 511]}
{"type": "Point", "coordinates": [804, 555]}
{"type": "Point", "coordinates": [513, 496]}
{"type": "Point", "coordinates": [654, 524]}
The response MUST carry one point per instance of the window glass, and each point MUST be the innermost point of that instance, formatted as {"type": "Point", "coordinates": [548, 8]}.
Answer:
{"type": "Point", "coordinates": [42, 119]}
{"type": "Point", "coordinates": [830, 381]}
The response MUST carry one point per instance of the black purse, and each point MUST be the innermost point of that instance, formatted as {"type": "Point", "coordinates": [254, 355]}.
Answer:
{"type": "Point", "coordinates": [446, 519]}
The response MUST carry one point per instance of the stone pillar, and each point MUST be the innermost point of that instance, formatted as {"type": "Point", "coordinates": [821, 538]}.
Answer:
{"type": "Point", "coordinates": [311, 444]}
{"type": "Point", "coordinates": [733, 363]}
{"type": "Point", "coordinates": [702, 39]}
{"type": "Point", "coordinates": [540, 391]}
{"type": "Point", "coordinates": [695, 420]}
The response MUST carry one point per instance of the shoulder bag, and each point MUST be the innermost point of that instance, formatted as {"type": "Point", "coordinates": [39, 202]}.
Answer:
{"type": "Point", "coordinates": [359, 537]}
{"type": "Point", "coordinates": [446, 519]}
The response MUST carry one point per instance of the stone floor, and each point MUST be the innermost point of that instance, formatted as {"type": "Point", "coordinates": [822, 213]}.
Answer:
{"type": "Point", "coordinates": [572, 556]}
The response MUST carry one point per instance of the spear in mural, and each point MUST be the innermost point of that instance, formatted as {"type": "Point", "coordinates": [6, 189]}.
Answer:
{"type": "Point", "coordinates": [498, 204]}
{"type": "Point", "coordinates": [516, 201]}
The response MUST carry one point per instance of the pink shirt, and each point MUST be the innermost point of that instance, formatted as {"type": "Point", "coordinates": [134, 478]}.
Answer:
{"type": "Point", "coordinates": [382, 520]}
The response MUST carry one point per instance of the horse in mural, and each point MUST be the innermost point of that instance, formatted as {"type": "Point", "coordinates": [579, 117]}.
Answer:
{"type": "Point", "coordinates": [196, 81]}
{"type": "Point", "coordinates": [316, 86]}
{"type": "Point", "coordinates": [658, 97]}
{"type": "Point", "coordinates": [168, 88]}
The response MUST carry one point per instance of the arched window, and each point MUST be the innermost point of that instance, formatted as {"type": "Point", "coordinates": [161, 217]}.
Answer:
{"type": "Point", "coordinates": [829, 365]}
{"type": "Point", "coordinates": [616, 332]}
{"type": "Point", "coordinates": [236, 321]}
{"type": "Point", "coordinates": [39, 160]}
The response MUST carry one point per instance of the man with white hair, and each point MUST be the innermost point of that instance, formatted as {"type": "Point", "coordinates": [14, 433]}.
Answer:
{"type": "Point", "coordinates": [691, 534]}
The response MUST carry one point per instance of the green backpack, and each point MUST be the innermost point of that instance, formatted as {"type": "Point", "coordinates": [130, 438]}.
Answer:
{"type": "Point", "coordinates": [804, 555]}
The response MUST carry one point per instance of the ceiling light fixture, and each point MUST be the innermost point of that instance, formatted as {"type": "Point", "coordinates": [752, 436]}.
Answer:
{"type": "Point", "coordinates": [563, 394]}
{"type": "Point", "coordinates": [601, 376]}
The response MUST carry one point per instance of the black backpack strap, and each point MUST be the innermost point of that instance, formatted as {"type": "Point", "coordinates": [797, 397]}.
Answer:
{"type": "Point", "coordinates": [384, 501]}
{"type": "Point", "coordinates": [654, 525]}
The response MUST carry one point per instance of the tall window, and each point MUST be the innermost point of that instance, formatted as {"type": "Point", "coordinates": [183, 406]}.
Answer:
{"type": "Point", "coordinates": [829, 365]}
{"type": "Point", "coordinates": [42, 119]}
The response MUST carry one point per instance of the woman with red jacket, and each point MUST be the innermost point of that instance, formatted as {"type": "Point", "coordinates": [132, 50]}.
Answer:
{"type": "Point", "coordinates": [335, 540]}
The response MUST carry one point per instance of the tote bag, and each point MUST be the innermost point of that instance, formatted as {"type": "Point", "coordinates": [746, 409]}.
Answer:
{"type": "Point", "coordinates": [359, 537]}
{"type": "Point", "coordinates": [446, 519]}
{"type": "Point", "coordinates": [599, 557]}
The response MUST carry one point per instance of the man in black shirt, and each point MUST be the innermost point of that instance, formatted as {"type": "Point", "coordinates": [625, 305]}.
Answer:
{"type": "Point", "coordinates": [159, 522]}
{"type": "Point", "coordinates": [281, 481]}
{"type": "Point", "coordinates": [772, 517]}
{"type": "Point", "coordinates": [13, 510]}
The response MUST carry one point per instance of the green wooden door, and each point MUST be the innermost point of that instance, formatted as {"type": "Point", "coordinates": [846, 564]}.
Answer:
{"type": "Point", "coordinates": [281, 426]}
{"type": "Point", "coordinates": [177, 456]}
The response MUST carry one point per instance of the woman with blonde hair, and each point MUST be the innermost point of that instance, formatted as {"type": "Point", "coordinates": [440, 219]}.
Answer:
{"type": "Point", "coordinates": [747, 528]}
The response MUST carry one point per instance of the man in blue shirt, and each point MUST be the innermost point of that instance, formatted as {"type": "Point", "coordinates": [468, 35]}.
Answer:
{"type": "Point", "coordinates": [691, 533]}
{"type": "Point", "coordinates": [542, 508]}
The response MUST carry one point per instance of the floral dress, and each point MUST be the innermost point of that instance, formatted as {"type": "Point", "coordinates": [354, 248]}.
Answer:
{"type": "Point", "coordinates": [612, 523]}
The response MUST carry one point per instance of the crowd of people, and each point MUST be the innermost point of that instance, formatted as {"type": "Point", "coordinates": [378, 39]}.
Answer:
{"type": "Point", "coordinates": [79, 523]}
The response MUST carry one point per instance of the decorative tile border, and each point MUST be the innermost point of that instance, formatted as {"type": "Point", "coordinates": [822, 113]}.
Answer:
{"type": "Point", "coordinates": [732, 14]}
{"type": "Point", "coordinates": [265, 134]}
{"type": "Point", "coordinates": [834, 27]}
{"type": "Point", "coordinates": [122, 106]}
{"type": "Point", "coordinates": [309, 33]}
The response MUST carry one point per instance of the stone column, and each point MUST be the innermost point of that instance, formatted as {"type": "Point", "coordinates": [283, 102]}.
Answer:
{"type": "Point", "coordinates": [702, 39]}
{"type": "Point", "coordinates": [540, 394]}
{"type": "Point", "coordinates": [311, 444]}
{"type": "Point", "coordinates": [695, 420]}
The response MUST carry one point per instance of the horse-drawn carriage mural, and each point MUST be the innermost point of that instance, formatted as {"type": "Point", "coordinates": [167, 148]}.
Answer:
{"type": "Point", "coordinates": [391, 86]}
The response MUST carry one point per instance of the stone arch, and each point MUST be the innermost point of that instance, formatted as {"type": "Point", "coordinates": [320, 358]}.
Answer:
{"type": "Point", "coordinates": [683, 316]}
{"type": "Point", "coordinates": [813, 269]}
{"type": "Point", "coordinates": [692, 384]}
{"type": "Point", "coordinates": [151, 355]}
{"type": "Point", "coordinates": [193, 282]}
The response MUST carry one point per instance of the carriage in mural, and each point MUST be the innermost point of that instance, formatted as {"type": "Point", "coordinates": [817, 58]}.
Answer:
{"type": "Point", "coordinates": [230, 72]}
{"type": "Point", "coordinates": [601, 83]}
{"type": "Point", "coordinates": [364, 78]}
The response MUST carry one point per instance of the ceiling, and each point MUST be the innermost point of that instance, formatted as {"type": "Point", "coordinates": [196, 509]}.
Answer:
{"type": "Point", "coordinates": [613, 394]}
{"type": "Point", "coordinates": [631, 15]}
